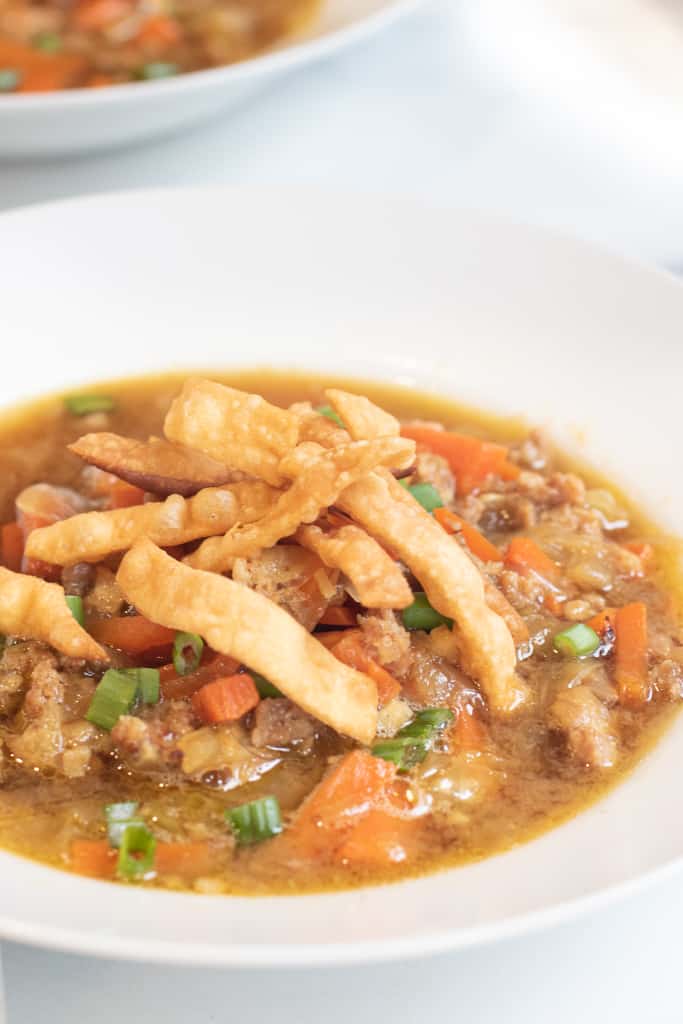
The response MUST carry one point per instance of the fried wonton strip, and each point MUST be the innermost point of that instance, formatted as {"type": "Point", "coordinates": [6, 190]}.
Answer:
{"type": "Point", "coordinates": [92, 536]}
{"type": "Point", "coordinates": [154, 465]}
{"type": "Point", "coordinates": [30, 607]}
{"type": "Point", "coordinates": [240, 430]}
{"type": "Point", "coordinates": [377, 579]}
{"type": "Point", "coordinates": [320, 477]}
{"type": "Point", "coordinates": [361, 417]}
{"type": "Point", "coordinates": [317, 428]}
{"type": "Point", "coordinates": [239, 622]}
{"type": "Point", "coordinates": [450, 580]}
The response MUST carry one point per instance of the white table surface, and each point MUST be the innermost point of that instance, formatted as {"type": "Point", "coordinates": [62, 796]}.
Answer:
{"type": "Point", "coordinates": [411, 112]}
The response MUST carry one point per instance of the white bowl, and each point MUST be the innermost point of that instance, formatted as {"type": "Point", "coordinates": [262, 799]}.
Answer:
{"type": "Point", "coordinates": [84, 120]}
{"type": "Point", "coordinates": [505, 316]}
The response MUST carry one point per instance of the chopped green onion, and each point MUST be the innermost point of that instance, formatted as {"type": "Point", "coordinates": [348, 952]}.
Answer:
{"type": "Point", "coordinates": [421, 615]}
{"type": "Point", "coordinates": [115, 695]}
{"type": "Point", "coordinates": [136, 852]}
{"type": "Point", "coordinates": [149, 685]}
{"type": "Point", "coordinates": [48, 42]}
{"type": "Point", "coordinates": [83, 405]}
{"type": "Point", "coordinates": [577, 641]}
{"type": "Point", "coordinates": [119, 817]}
{"type": "Point", "coordinates": [411, 743]}
{"type": "Point", "coordinates": [327, 410]}
{"type": "Point", "coordinates": [258, 820]}
{"type": "Point", "coordinates": [9, 79]}
{"type": "Point", "coordinates": [158, 69]}
{"type": "Point", "coordinates": [426, 495]}
{"type": "Point", "coordinates": [265, 687]}
{"type": "Point", "coordinates": [187, 652]}
{"type": "Point", "coordinates": [403, 751]}
{"type": "Point", "coordinates": [426, 723]}
{"type": "Point", "coordinates": [76, 608]}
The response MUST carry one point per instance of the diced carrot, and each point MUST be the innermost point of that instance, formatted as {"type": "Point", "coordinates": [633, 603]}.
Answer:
{"type": "Point", "coordinates": [99, 14]}
{"type": "Point", "coordinates": [212, 666]}
{"type": "Point", "coordinates": [356, 784]}
{"type": "Point", "coordinates": [525, 557]}
{"type": "Point", "coordinates": [226, 699]}
{"type": "Point", "coordinates": [98, 80]}
{"type": "Point", "coordinates": [12, 546]}
{"type": "Point", "coordinates": [159, 31]}
{"type": "Point", "coordinates": [601, 622]}
{"type": "Point", "coordinates": [332, 638]}
{"type": "Point", "coordinates": [468, 731]}
{"type": "Point", "coordinates": [644, 551]}
{"type": "Point", "coordinates": [93, 857]}
{"type": "Point", "coordinates": [338, 616]}
{"type": "Point", "coordinates": [379, 839]}
{"type": "Point", "coordinates": [133, 634]}
{"type": "Point", "coordinates": [124, 495]}
{"type": "Point", "coordinates": [471, 459]}
{"type": "Point", "coordinates": [478, 544]}
{"type": "Point", "coordinates": [631, 649]}
{"type": "Point", "coordinates": [40, 71]}
{"type": "Point", "coordinates": [188, 859]}
{"type": "Point", "coordinates": [350, 650]}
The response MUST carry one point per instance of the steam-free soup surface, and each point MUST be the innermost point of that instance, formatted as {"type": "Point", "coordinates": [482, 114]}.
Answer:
{"type": "Point", "coordinates": [579, 579]}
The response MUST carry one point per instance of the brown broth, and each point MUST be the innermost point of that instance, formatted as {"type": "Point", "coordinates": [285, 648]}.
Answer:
{"type": "Point", "coordinates": [39, 818]}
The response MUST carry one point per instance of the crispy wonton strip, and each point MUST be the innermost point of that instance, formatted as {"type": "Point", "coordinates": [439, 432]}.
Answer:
{"type": "Point", "coordinates": [317, 428]}
{"type": "Point", "coordinates": [377, 579]}
{"type": "Point", "coordinates": [450, 580]}
{"type": "Point", "coordinates": [240, 430]}
{"type": "Point", "coordinates": [92, 536]}
{"type": "Point", "coordinates": [155, 465]}
{"type": "Point", "coordinates": [247, 626]}
{"type": "Point", "coordinates": [361, 417]}
{"type": "Point", "coordinates": [320, 477]}
{"type": "Point", "coordinates": [32, 608]}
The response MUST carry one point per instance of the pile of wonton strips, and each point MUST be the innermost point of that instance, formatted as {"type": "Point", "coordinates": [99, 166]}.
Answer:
{"type": "Point", "coordinates": [241, 475]}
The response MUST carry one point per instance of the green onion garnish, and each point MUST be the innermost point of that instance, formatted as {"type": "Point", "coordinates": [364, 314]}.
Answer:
{"type": "Point", "coordinates": [421, 615]}
{"type": "Point", "coordinates": [115, 695]}
{"type": "Point", "coordinates": [48, 42]}
{"type": "Point", "coordinates": [253, 822]}
{"type": "Point", "coordinates": [411, 743]}
{"type": "Point", "coordinates": [403, 752]}
{"type": "Point", "coordinates": [158, 69]}
{"type": "Point", "coordinates": [83, 405]}
{"type": "Point", "coordinates": [119, 817]}
{"type": "Point", "coordinates": [76, 608]}
{"type": "Point", "coordinates": [427, 722]}
{"type": "Point", "coordinates": [327, 410]}
{"type": "Point", "coordinates": [577, 641]}
{"type": "Point", "coordinates": [136, 852]}
{"type": "Point", "coordinates": [9, 79]}
{"type": "Point", "coordinates": [264, 687]}
{"type": "Point", "coordinates": [426, 495]}
{"type": "Point", "coordinates": [187, 652]}
{"type": "Point", "coordinates": [149, 686]}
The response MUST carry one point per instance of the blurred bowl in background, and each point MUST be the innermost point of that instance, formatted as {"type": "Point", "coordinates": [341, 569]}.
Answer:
{"type": "Point", "coordinates": [617, 65]}
{"type": "Point", "coordinates": [81, 120]}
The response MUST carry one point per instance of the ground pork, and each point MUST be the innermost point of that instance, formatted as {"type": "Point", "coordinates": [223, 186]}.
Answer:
{"type": "Point", "coordinates": [40, 741]}
{"type": "Point", "coordinates": [586, 724]}
{"type": "Point", "coordinates": [435, 470]}
{"type": "Point", "coordinates": [280, 723]}
{"type": "Point", "coordinates": [387, 640]}
{"type": "Point", "coordinates": [16, 666]}
{"type": "Point", "coordinates": [151, 743]}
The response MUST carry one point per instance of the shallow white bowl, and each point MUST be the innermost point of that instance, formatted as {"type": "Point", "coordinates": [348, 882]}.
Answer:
{"type": "Point", "coordinates": [485, 311]}
{"type": "Point", "coordinates": [84, 120]}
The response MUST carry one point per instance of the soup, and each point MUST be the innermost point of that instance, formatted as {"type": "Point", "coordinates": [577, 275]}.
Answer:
{"type": "Point", "coordinates": [46, 46]}
{"type": "Point", "coordinates": [266, 634]}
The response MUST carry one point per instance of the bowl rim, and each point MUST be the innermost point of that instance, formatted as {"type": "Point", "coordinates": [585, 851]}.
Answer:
{"type": "Point", "coordinates": [279, 58]}
{"type": "Point", "coordinates": [438, 936]}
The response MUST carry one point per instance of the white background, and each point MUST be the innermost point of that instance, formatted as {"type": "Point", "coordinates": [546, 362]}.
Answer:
{"type": "Point", "coordinates": [411, 112]}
